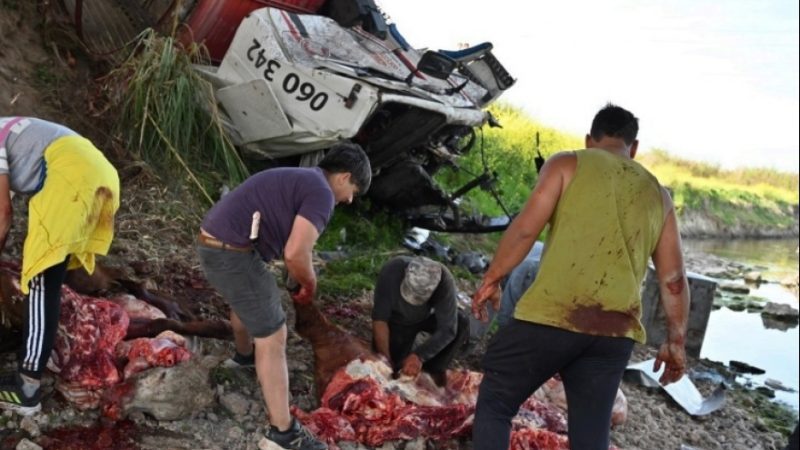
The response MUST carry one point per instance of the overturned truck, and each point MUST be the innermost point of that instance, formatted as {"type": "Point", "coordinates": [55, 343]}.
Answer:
{"type": "Point", "coordinates": [293, 78]}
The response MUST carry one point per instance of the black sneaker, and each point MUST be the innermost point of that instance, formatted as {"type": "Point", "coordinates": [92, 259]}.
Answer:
{"type": "Point", "coordinates": [240, 360]}
{"type": "Point", "coordinates": [295, 438]}
{"type": "Point", "coordinates": [14, 399]}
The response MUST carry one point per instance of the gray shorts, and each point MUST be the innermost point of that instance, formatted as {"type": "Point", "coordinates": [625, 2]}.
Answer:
{"type": "Point", "coordinates": [248, 287]}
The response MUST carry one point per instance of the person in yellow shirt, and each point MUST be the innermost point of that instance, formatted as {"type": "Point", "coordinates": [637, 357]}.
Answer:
{"type": "Point", "coordinates": [580, 318]}
{"type": "Point", "coordinates": [74, 195]}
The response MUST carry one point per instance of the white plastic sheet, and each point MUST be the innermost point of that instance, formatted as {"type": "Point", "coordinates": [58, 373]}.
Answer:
{"type": "Point", "coordinates": [683, 391]}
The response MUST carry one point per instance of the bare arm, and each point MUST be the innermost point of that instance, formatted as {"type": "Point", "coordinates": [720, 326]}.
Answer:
{"type": "Point", "coordinates": [523, 231]}
{"type": "Point", "coordinates": [297, 256]}
{"type": "Point", "coordinates": [380, 337]}
{"type": "Point", "coordinates": [6, 211]}
{"type": "Point", "coordinates": [674, 290]}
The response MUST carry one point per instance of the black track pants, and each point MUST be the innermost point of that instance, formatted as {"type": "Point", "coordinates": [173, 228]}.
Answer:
{"type": "Point", "coordinates": [42, 309]}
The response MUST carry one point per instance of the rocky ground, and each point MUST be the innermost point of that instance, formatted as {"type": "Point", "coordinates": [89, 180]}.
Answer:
{"type": "Point", "coordinates": [155, 229]}
{"type": "Point", "coordinates": [234, 416]}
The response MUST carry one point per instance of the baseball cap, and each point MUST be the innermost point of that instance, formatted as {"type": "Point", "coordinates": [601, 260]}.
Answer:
{"type": "Point", "coordinates": [421, 279]}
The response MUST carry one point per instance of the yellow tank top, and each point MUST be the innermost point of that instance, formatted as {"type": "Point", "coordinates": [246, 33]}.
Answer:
{"type": "Point", "coordinates": [602, 233]}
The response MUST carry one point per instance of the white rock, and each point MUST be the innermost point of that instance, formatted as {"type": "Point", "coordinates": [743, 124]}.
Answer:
{"type": "Point", "coordinates": [777, 385]}
{"type": "Point", "coordinates": [27, 445]}
{"type": "Point", "coordinates": [256, 409]}
{"type": "Point", "coordinates": [235, 433]}
{"type": "Point", "coordinates": [235, 403]}
{"type": "Point", "coordinates": [266, 444]}
{"type": "Point", "coordinates": [791, 281]}
{"type": "Point", "coordinates": [171, 393]}
{"type": "Point", "coordinates": [416, 444]}
{"type": "Point", "coordinates": [753, 277]}
{"type": "Point", "coordinates": [29, 424]}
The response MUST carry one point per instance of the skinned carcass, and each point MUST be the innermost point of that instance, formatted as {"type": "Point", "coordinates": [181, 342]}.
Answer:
{"type": "Point", "coordinates": [362, 400]}
{"type": "Point", "coordinates": [150, 312]}
{"type": "Point", "coordinates": [364, 403]}
{"type": "Point", "coordinates": [89, 349]}
{"type": "Point", "coordinates": [165, 350]}
{"type": "Point", "coordinates": [83, 354]}
{"type": "Point", "coordinates": [91, 356]}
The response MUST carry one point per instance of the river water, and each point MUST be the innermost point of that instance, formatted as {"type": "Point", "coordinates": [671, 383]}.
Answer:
{"type": "Point", "coordinates": [742, 336]}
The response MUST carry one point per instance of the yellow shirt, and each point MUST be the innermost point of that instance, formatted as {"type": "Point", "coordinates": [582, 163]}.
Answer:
{"type": "Point", "coordinates": [603, 231]}
{"type": "Point", "coordinates": [74, 212]}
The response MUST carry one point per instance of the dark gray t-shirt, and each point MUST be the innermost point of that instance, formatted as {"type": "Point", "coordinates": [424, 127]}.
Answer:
{"type": "Point", "coordinates": [389, 306]}
{"type": "Point", "coordinates": [280, 195]}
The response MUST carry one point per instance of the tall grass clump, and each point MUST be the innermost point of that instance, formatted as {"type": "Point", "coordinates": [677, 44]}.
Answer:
{"type": "Point", "coordinates": [168, 115]}
{"type": "Point", "coordinates": [509, 151]}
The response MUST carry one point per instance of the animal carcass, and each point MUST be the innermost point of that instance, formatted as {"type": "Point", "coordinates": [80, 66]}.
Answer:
{"type": "Point", "coordinates": [365, 404]}
{"type": "Point", "coordinates": [89, 349]}
{"type": "Point", "coordinates": [90, 354]}
{"type": "Point", "coordinates": [360, 400]}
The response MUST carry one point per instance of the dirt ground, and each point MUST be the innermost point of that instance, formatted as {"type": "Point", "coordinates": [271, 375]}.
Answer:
{"type": "Point", "coordinates": [155, 229]}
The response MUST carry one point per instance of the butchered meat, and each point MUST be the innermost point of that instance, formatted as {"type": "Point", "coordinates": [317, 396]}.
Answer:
{"type": "Point", "coordinates": [361, 401]}
{"type": "Point", "coordinates": [165, 350]}
{"type": "Point", "coordinates": [83, 356]}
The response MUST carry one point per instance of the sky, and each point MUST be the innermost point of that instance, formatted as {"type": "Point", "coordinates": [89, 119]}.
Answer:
{"type": "Point", "coordinates": [710, 80]}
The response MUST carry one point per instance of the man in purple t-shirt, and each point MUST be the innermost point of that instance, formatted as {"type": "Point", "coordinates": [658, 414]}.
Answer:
{"type": "Point", "coordinates": [275, 212]}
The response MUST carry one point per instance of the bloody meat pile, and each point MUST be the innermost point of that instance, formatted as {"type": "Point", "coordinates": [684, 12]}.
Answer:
{"type": "Point", "coordinates": [90, 355]}
{"type": "Point", "coordinates": [361, 401]}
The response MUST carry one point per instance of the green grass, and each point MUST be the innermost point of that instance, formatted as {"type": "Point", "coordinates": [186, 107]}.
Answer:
{"type": "Point", "coordinates": [762, 182]}
{"type": "Point", "coordinates": [771, 416]}
{"type": "Point", "coordinates": [732, 205]}
{"type": "Point", "coordinates": [750, 197]}
{"type": "Point", "coordinates": [45, 75]}
{"type": "Point", "coordinates": [369, 238]}
{"type": "Point", "coordinates": [168, 116]}
{"type": "Point", "coordinates": [509, 151]}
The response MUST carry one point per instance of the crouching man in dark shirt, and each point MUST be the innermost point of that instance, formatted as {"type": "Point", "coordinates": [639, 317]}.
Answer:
{"type": "Point", "coordinates": [415, 294]}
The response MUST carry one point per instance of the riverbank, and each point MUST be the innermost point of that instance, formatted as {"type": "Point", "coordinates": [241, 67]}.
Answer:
{"type": "Point", "coordinates": [750, 419]}
{"type": "Point", "coordinates": [737, 223]}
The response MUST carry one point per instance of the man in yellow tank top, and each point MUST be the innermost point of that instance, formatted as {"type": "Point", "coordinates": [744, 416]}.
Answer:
{"type": "Point", "coordinates": [581, 317]}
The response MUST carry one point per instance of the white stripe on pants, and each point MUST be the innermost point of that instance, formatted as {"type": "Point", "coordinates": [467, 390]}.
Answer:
{"type": "Point", "coordinates": [36, 325]}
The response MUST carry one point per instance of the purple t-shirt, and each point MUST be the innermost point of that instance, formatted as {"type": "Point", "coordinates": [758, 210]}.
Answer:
{"type": "Point", "coordinates": [280, 195]}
